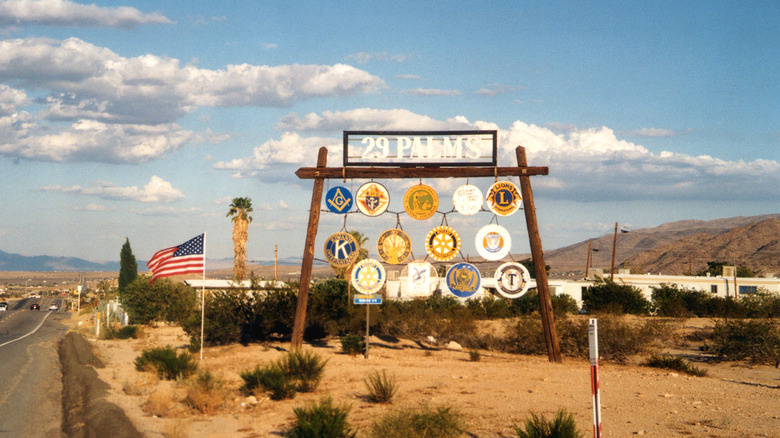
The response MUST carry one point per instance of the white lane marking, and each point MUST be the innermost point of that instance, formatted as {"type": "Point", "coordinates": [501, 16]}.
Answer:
{"type": "Point", "coordinates": [28, 334]}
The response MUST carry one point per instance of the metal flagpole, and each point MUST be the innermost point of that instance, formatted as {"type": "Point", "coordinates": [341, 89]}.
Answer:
{"type": "Point", "coordinates": [593, 343]}
{"type": "Point", "coordinates": [203, 297]}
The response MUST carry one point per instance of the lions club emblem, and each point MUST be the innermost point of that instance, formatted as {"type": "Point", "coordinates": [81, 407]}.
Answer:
{"type": "Point", "coordinates": [503, 198]}
{"type": "Point", "coordinates": [372, 199]}
{"type": "Point", "coordinates": [512, 279]}
{"type": "Point", "coordinates": [341, 250]}
{"type": "Point", "coordinates": [421, 202]}
{"type": "Point", "coordinates": [394, 246]}
{"type": "Point", "coordinates": [442, 243]}
{"type": "Point", "coordinates": [463, 280]}
{"type": "Point", "coordinates": [493, 242]}
{"type": "Point", "coordinates": [368, 276]}
{"type": "Point", "coordinates": [338, 200]}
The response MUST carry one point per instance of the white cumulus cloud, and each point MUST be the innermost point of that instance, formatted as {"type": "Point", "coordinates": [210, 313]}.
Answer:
{"type": "Point", "coordinates": [156, 191]}
{"type": "Point", "coordinates": [69, 14]}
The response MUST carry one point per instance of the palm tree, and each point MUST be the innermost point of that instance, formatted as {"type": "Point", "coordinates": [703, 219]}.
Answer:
{"type": "Point", "coordinates": [239, 210]}
{"type": "Point", "coordinates": [361, 239]}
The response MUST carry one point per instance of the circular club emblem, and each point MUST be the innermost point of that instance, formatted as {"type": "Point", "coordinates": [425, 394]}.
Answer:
{"type": "Point", "coordinates": [338, 200]}
{"type": "Point", "coordinates": [504, 198]}
{"type": "Point", "coordinates": [493, 242]}
{"type": "Point", "coordinates": [421, 202]}
{"type": "Point", "coordinates": [341, 250]}
{"type": "Point", "coordinates": [442, 243]}
{"type": "Point", "coordinates": [372, 199]}
{"type": "Point", "coordinates": [512, 279]}
{"type": "Point", "coordinates": [463, 280]}
{"type": "Point", "coordinates": [368, 276]}
{"type": "Point", "coordinates": [467, 199]}
{"type": "Point", "coordinates": [394, 246]}
{"type": "Point", "coordinates": [418, 279]}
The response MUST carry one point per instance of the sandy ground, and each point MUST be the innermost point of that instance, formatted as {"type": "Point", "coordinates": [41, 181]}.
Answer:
{"type": "Point", "coordinates": [493, 394]}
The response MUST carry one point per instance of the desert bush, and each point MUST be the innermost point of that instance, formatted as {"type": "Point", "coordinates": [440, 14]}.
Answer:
{"type": "Point", "coordinates": [305, 368]}
{"type": "Point", "coordinates": [163, 300]}
{"type": "Point", "coordinates": [271, 378]}
{"type": "Point", "coordinates": [126, 332]}
{"type": "Point", "coordinates": [609, 297]}
{"type": "Point", "coordinates": [489, 307]}
{"type": "Point", "coordinates": [352, 344]}
{"type": "Point", "coordinates": [168, 364]}
{"type": "Point", "coordinates": [670, 300]}
{"type": "Point", "coordinates": [321, 419]}
{"type": "Point", "coordinates": [381, 388]}
{"type": "Point", "coordinates": [330, 312]}
{"type": "Point", "coordinates": [206, 393]}
{"type": "Point", "coordinates": [755, 340]}
{"type": "Point", "coordinates": [223, 320]}
{"type": "Point", "coordinates": [563, 425]}
{"type": "Point", "coordinates": [419, 421]}
{"type": "Point", "coordinates": [529, 302]}
{"type": "Point", "coordinates": [475, 355]}
{"type": "Point", "coordinates": [669, 362]}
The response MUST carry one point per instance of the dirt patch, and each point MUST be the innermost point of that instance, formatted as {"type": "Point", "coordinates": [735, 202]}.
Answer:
{"type": "Point", "coordinates": [85, 411]}
{"type": "Point", "coordinates": [492, 394]}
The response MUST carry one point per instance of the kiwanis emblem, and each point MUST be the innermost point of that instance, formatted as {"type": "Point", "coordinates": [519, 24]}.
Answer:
{"type": "Point", "coordinates": [394, 246]}
{"type": "Point", "coordinates": [368, 276]}
{"type": "Point", "coordinates": [442, 243]}
{"type": "Point", "coordinates": [512, 279]}
{"type": "Point", "coordinates": [504, 198]}
{"type": "Point", "coordinates": [463, 280]}
{"type": "Point", "coordinates": [493, 242]}
{"type": "Point", "coordinates": [421, 202]}
{"type": "Point", "coordinates": [372, 199]}
{"type": "Point", "coordinates": [341, 250]}
{"type": "Point", "coordinates": [338, 200]}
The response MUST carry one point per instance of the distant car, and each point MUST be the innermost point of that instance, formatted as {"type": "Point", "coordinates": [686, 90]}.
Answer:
{"type": "Point", "coordinates": [3, 306]}
{"type": "Point", "coordinates": [35, 307]}
{"type": "Point", "coordinates": [54, 307]}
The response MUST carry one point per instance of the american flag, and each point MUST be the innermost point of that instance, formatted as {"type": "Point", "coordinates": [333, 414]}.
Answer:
{"type": "Point", "coordinates": [187, 258]}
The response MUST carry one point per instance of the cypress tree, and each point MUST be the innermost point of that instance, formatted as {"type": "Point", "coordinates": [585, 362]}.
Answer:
{"type": "Point", "coordinates": [128, 267]}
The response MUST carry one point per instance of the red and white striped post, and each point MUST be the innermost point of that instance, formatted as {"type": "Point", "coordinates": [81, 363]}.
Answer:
{"type": "Point", "coordinates": [593, 342]}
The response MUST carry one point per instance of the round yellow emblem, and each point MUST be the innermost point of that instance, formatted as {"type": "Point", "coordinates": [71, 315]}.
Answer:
{"type": "Point", "coordinates": [421, 202]}
{"type": "Point", "coordinates": [442, 243]}
{"type": "Point", "coordinates": [394, 246]}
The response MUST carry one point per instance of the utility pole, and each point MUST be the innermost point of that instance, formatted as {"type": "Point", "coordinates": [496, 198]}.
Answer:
{"type": "Point", "coordinates": [276, 261]}
{"type": "Point", "coordinates": [587, 260]}
{"type": "Point", "coordinates": [614, 246]}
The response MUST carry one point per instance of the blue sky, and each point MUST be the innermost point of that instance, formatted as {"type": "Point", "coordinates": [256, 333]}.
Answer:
{"type": "Point", "coordinates": [143, 119]}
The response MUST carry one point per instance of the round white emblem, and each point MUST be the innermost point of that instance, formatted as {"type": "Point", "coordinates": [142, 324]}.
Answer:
{"type": "Point", "coordinates": [512, 279]}
{"type": "Point", "coordinates": [372, 199]}
{"type": "Point", "coordinates": [418, 279]}
{"type": "Point", "coordinates": [368, 276]}
{"type": "Point", "coordinates": [467, 199]}
{"type": "Point", "coordinates": [493, 242]}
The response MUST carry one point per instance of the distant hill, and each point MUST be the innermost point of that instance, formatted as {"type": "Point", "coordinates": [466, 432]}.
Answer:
{"type": "Point", "coordinates": [16, 262]}
{"type": "Point", "coordinates": [571, 260]}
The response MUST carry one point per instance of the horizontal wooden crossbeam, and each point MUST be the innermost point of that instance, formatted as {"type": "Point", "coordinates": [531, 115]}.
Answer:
{"type": "Point", "coordinates": [416, 172]}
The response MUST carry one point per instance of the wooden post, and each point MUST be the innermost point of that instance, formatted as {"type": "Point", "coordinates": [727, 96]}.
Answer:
{"type": "Point", "coordinates": [308, 254]}
{"type": "Point", "coordinates": [587, 259]}
{"type": "Point", "coordinates": [537, 253]}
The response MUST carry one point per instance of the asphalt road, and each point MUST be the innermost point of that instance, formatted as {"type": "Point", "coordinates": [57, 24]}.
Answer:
{"type": "Point", "coordinates": [30, 376]}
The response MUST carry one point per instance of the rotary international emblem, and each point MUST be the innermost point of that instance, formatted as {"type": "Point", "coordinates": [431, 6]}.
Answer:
{"type": "Point", "coordinates": [341, 250]}
{"type": "Point", "coordinates": [394, 246]}
{"type": "Point", "coordinates": [493, 242]}
{"type": "Point", "coordinates": [503, 198]}
{"type": "Point", "coordinates": [467, 199]}
{"type": "Point", "coordinates": [463, 280]}
{"type": "Point", "coordinates": [512, 279]}
{"type": "Point", "coordinates": [338, 200]}
{"type": "Point", "coordinates": [421, 202]}
{"type": "Point", "coordinates": [372, 199]}
{"type": "Point", "coordinates": [368, 276]}
{"type": "Point", "coordinates": [442, 243]}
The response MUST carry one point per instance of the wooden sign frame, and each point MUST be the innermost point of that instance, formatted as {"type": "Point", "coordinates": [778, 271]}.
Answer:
{"type": "Point", "coordinates": [322, 172]}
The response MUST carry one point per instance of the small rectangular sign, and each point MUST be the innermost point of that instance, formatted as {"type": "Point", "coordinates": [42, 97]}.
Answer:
{"type": "Point", "coordinates": [593, 341]}
{"type": "Point", "coordinates": [420, 148]}
{"type": "Point", "coordinates": [368, 299]}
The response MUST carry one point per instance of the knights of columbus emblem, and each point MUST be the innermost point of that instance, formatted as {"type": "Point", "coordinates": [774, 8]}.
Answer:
{"type": "Point", "coordinates": [372, 199]}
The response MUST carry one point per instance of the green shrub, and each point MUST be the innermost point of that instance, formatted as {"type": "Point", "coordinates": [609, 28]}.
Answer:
{"type": "Point", "coordinates": [206, 393]}
{"type": "Point", "coordinates": [305, 368]}
{"type": "Point", "coordinates": [163, 300]}
{"type": "Point", "coordinates": [562, 426]}
{"type": "Point", "coordinates": [670, 300]}
{"type": "Point", "coordinates": [270, 378]}
{"type": "Point", "coordinates": [322, 419]}
{"type": "Point", "coordinates": [610, 297]}
{"type": "Point", "coordinates": [529, 302]}
{"type": "Point", "coordinates": [126, 332]}
{"type": "Point", "coordinates": [169, 365]}
{"type": "Point", "coordinates": [422, 422]}
{"type": "Point", "coordinates": [673, 363]}
{"type": "Point", "coordinates": [756, 340]}
{"type": "Point", "coordinates": [381, 388]}
{"type": "Point", "coordinates": [474, 355]}
{"type": "Point", "coordinates": [352, 344]}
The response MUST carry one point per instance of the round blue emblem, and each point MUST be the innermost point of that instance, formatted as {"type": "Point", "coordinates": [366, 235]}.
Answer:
{"type": "Point", "coordinates": [338, 200]}
{"type": "Point", "coordinates": [463, 279]}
